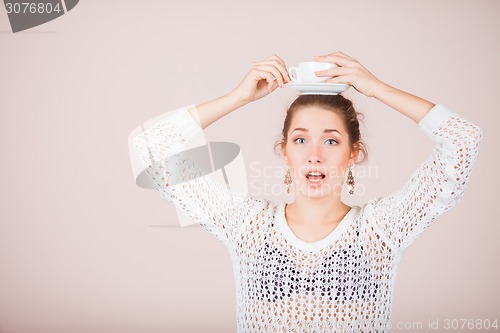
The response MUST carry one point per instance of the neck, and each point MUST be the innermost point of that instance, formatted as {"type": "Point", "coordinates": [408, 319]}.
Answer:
{"type": "Point", "coordinates": [317, 211]}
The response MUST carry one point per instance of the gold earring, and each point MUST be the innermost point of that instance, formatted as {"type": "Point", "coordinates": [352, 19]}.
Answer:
{"type": "Point", "coordinates": [287, 181]}
{"type": "Point", "coordinates": [350, 182]}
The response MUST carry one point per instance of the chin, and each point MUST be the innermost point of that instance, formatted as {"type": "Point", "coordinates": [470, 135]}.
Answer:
{"type": "Point", "coordinates": [316, 193]}
{"type": "Point", "coordinates": [320, 190]}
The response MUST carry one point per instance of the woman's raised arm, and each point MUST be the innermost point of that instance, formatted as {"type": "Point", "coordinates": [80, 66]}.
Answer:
{"type": "Point", "coordinates": [352, 72]}
{"type": "Point", "coordinates": [165, 155]}
{"type": "Point", "coordinates": [440, 181]}
{"type": "Point", "coordinates": [262, 78]}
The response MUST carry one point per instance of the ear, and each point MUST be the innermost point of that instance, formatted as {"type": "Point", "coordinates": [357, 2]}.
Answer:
{"type": "Point", "coordinates": [353, 158]}
{"type": "Point", "coordinates": [283, 154]}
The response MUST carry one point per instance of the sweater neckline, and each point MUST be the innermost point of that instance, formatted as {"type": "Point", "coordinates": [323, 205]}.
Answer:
{"type": "Point", "coordinates": [290, 236]}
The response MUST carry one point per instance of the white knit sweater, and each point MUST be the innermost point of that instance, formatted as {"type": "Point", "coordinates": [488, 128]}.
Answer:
{"type": "Point", "coordinates": [341, 283]}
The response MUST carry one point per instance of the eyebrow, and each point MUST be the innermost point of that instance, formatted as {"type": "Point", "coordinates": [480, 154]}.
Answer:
{"type": "Point", "coordinates": [328, 130]}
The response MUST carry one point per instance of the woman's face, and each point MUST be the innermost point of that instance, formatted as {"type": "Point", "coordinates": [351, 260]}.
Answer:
{"type": "Point", "coordinates": [318, 141]}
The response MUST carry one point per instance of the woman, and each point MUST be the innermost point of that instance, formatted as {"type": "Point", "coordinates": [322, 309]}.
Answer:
{"type": "Point", "coordinates": [316, 264]}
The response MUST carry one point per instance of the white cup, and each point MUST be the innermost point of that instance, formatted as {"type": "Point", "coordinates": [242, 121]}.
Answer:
{"type": "Point", "coordinates": [304, 73]}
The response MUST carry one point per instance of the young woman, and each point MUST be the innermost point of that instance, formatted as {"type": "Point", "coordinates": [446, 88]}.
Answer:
{"type": "Point", "coordinates": [316, 264]}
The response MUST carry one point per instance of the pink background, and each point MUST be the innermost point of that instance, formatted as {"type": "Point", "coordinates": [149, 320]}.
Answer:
{"type": "Point", "coordinates": [83, 249]}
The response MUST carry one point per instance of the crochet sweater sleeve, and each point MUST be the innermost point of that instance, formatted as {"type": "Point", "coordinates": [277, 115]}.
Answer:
{"type": "Point", "coordinates": [157, 151]}
{"type": "Point", "coordinates": [437, 185]}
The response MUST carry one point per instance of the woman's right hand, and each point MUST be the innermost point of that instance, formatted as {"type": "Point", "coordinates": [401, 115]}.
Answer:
{"type": "Point", "coordinates": [262, 78]}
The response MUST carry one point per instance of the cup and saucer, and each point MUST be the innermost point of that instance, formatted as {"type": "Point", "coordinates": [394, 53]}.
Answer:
{"type": "Point", "coordinates": [307, 83]}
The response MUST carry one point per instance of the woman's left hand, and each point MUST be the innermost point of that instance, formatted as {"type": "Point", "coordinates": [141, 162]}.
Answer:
{"type": "Point", "coordinates": [349, 71]}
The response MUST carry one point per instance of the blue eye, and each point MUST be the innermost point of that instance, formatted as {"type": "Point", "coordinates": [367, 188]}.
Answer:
{"type": "Point", "coordinates": [331, 140]}
{"type": "Point", "coordinates": [298, 139]}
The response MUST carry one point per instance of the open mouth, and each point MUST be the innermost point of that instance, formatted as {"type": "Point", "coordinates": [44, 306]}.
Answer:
{"type": "Point", "coordinates": [315, 176]}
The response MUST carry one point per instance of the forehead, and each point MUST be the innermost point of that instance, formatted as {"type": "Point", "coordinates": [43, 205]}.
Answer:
{"type": "Point", "coordinates": [316, 119]}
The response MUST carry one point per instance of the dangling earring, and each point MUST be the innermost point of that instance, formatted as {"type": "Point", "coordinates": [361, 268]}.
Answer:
{"type": "Point", "coordinates": [287, 181]}
{"type": "Point", "coordinates": [350, 182]}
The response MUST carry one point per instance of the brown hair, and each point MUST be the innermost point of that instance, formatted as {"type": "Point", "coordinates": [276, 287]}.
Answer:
{"type": "Point", "coordinates": [336, 103]}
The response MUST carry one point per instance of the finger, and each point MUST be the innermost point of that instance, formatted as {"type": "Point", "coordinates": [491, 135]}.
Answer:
{"type": "Point", "coordinates": [272, 86]}
{"type": "Point", "coordinates": [347, 79]}
{"type": "Point", "coordinates": [336, 59]}
{"type": "Point", "coordinates": [278, 71]}
{"type": "Point", "coordinates": [342, 54]}
{"type": "Point", "coordinates": [278, 75]}
{"type": "Point", "coordinates": [275, 57]}
{"type": "Point", "coordinates": [263, 75]}
{"type": "Point", "coordinates": [273, 61]}
{"type": "Point", "coordinates": [334, 71]}
{"type": "Point", "coordinates": [276, 64]}
{"type": "Point", "coordinates": [284, 71]}
{"type": "Point", "coordinates": [275, 73]}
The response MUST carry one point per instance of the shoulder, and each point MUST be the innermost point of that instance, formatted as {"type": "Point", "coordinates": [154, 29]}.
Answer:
{"type": "Point", "coordinates": [371, 208]}
{"type": "Point", "coordinates": [253, 206]}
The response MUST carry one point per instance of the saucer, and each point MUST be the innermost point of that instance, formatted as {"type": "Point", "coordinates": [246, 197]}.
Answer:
{"type": "Point", "coordinates": [319, 88]}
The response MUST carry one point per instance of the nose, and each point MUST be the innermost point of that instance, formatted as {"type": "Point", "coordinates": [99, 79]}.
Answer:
{"type": "Point", "coordinates": [315, 155]}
